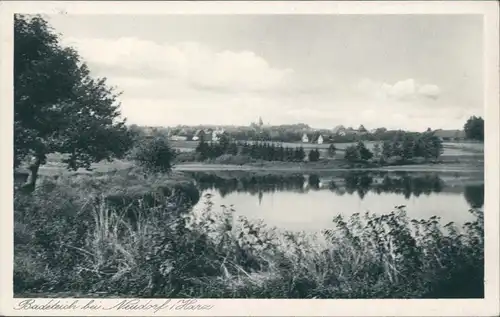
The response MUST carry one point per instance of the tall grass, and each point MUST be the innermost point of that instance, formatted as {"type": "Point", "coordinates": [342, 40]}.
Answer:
{"type": "Point", "coordinates": [69, 239]}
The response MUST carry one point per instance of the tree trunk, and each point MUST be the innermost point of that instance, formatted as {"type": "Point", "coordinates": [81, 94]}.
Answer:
{"type": "Point", "coordinates": [33, 174]}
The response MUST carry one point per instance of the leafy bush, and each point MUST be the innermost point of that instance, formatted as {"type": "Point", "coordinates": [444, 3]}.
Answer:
{"type": "Point", "coordinates": [154, 155]}
{"type": "Point", "coordinates": [352, 154]}
{"type": "Point", "coordinates": [364, 153]}
{"type": "Point", "coordinates": [314, 155]}
{"type": "Point", "coordinates": [358, 153]}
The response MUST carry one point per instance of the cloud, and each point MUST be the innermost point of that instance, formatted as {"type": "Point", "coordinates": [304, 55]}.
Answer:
{"type": "Point", "coordinates": [403, 90]}
{"type": "Point", "coordinates": [169, 84]}
{"type": "Point", "coordinates": [429, 91]}
{"type": "Point", "coordinates": [192, 64]}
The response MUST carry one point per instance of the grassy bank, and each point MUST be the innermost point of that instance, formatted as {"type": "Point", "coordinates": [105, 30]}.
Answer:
{"type": "Point", "coordinates": [185, 162]}
{"type": "Point", "coordinates": [294, 167]}
{"type": "Point", "coordinates": [130, 234]}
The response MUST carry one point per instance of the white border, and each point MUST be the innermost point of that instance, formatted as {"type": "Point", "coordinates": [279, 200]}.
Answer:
{"type": "Point", "coordinates": [239, 307]}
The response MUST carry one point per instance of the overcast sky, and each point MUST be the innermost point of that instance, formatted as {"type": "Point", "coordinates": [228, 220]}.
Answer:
{"type": "Point", "coordinates": [397, 71]}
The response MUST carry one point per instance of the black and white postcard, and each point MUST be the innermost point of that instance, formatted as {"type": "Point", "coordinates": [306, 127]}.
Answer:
{"type": "Point", "coordinates": [250, 158]}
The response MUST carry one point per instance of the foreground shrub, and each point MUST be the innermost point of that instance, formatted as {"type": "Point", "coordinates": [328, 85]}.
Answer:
{"type": "Point", "coordinates": [67, 242]}
{"type": "Point", "coordinates": [154, 154]}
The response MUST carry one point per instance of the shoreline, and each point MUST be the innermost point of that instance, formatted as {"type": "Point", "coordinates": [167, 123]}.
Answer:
{"type": "Point", "coordinates": [202, 167]}
{"type": "Point", "coordinates": [460, 166]}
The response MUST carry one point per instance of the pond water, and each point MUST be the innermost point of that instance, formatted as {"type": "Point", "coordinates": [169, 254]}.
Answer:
{"type": "Point", "coordinates": [310, 202]}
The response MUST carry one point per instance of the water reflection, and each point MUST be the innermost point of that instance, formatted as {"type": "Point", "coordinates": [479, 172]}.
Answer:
{"type": "Point", "coordinates": [474, 194]}
{"type": "Point", "coordinates": [398, 183]}
{"type": "Point", "coordinates": [308, 202]}
{"type": "Point", "coordinates": [360, 183]}
{"type": "Point", "coordinates": [250, 184]}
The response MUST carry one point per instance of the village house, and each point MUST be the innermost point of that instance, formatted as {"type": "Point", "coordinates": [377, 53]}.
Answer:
{"type": "Point", "coordinates": [216, 134]}
{"type": "Point", "coordinates": [317, 138]}
{"type": "Point", "coordinates": [305, 138]}
{"type": "Point", "coordinates": [320, 139]}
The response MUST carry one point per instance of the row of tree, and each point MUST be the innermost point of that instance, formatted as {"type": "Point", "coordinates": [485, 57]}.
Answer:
{"type": "Point", "coordinates": [256, 150]}
{"type": "Point", "coordinates": [403, 147]}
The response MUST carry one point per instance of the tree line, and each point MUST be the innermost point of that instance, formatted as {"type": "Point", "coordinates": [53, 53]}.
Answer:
{"type": "Point", "coordinates": [404, 147]}
{"type": "Point", "coordinates": [256, 150]}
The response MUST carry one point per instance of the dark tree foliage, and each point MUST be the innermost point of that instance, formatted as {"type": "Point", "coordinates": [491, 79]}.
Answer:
{"type": "Point", "coordinates": [332, 150]}
{"type": "Point", "coordinates": [408, 146]}
{"type": "Point", "coordinates": [314, 155]}
{"type": "Point", "coordinates": [377, 149]}
{"type": "Point", "coordinates": [352, 154]}
{"type": "Point", "coordinates": [364, 153]}
{"type": "Point", "coordinates": [202, 148]}
{"type": "Point", "coordinates": [474, 194]}
{"type": "Point", "coordinates": [256, 150]}
{"type": "Point", "coordinates": [58, 106]}
{"type": "Point", "coordinates": [155, 155]}
{"type": "Point", "coordinates": [357, 153]}
{"type": "Point", "coordinates": [474, 128]}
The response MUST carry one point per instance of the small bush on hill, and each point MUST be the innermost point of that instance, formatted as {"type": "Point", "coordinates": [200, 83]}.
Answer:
{"type": "Point", "coordinates": [154, 155]}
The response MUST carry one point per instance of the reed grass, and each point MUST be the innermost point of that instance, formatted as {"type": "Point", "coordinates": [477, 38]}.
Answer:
{"type": "Point", "coordinates": [71, 240]}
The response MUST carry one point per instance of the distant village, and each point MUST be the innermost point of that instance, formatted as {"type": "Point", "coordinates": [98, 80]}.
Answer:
{"type": "Point", "coordinates": [285, 133]}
